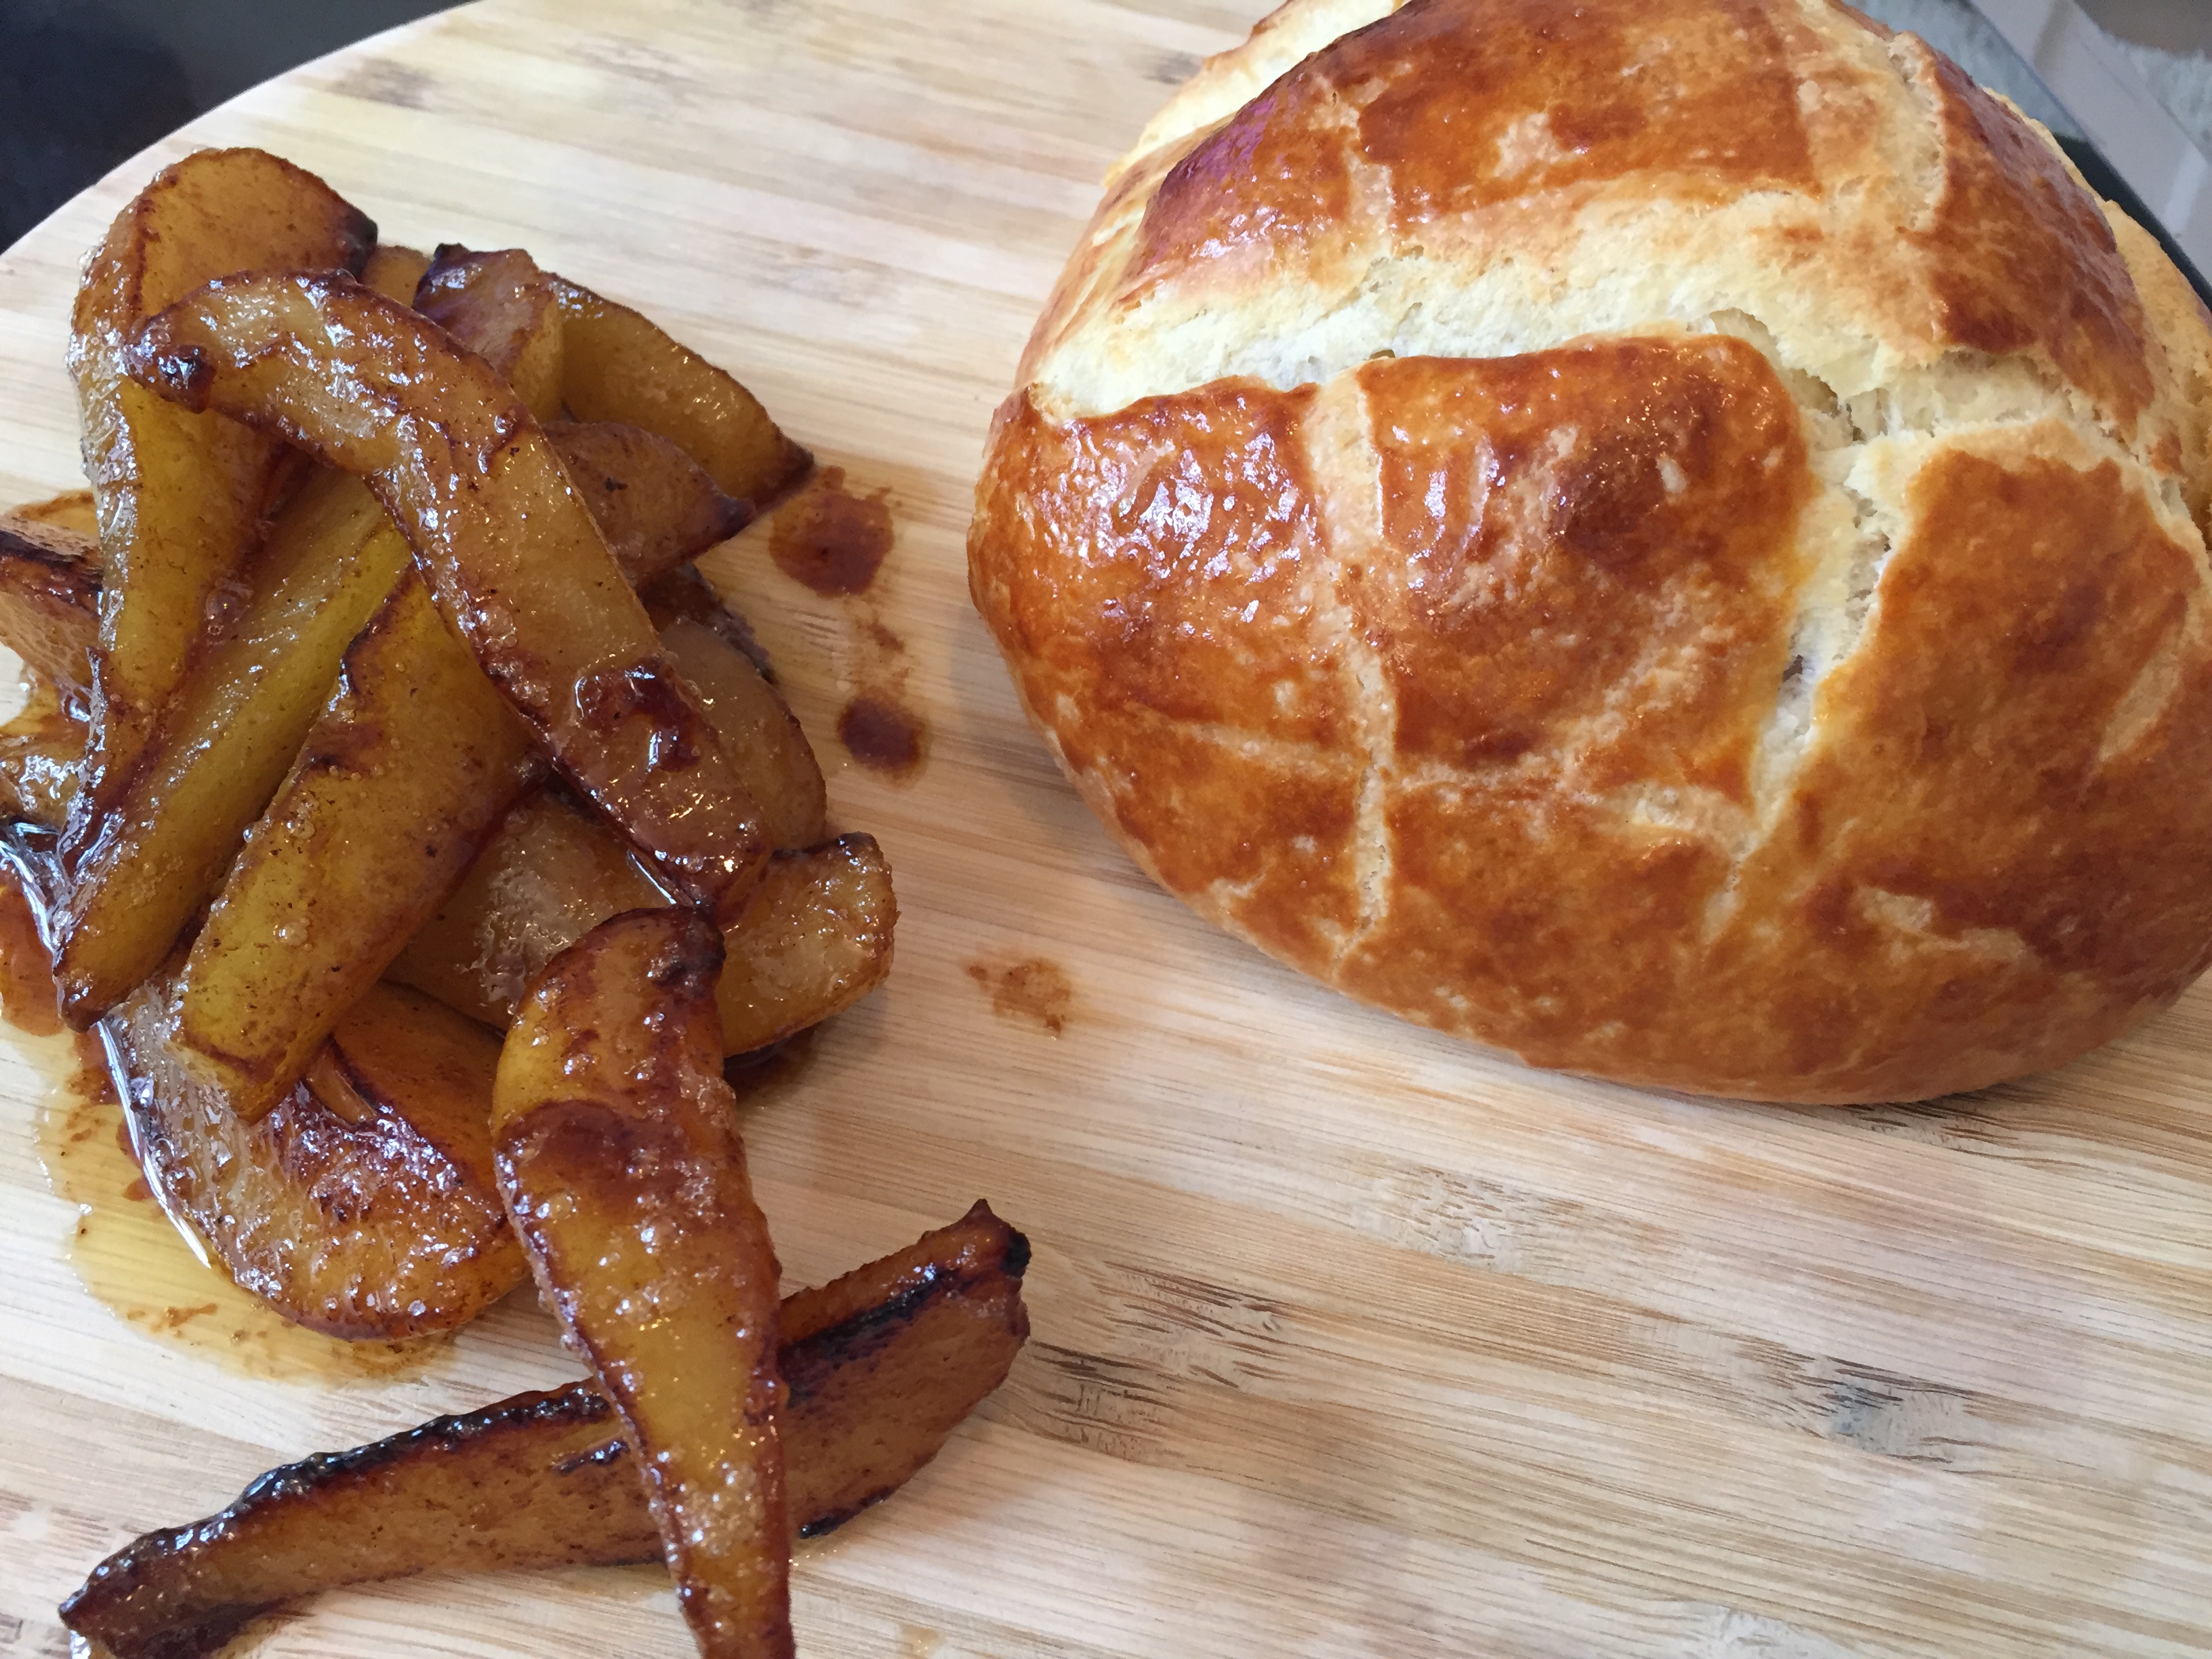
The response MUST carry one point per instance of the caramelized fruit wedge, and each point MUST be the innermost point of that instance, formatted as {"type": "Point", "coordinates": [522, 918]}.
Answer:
{"type": "Point", "coordinates": [878, 1368]}
{"type": "Point", "coordinates": [616, 365]}
{"type": "Point", "coordinates": [514, 559]}
{"type": "Point", "coordinates": [814, 940]}
{"type": "Point", "coordinates": [365, 1205]}
{"type": "Point", "coordinates": [550, 874]}
{"type": "Point", "coordinates": [73, 509]}
{"type": "Point", "coordinates": [181, 495]}
{"type": "Point", "coordinates": [655, 505]}
{"type": "Point", "coordinates": [50, 598]}
{"type": "Point", "coordinates": [143, 867]}
{"type": "Point", "coordinates": [624, 1174]}
{"type": "Point", "coordinates": [395, 271]}
{"type": "Point", "coordinates": [50, 618]}
{"type": "Point", "coordinates": [40, 752]}
{"type": "Point", "coordinates": [409, 767]}
{"type": "Point", "coordinates": [759, 728]}
{"type": "Point", "coordinates": [503, 308]}
{"type": "Point", "coordinates": [563, 346]}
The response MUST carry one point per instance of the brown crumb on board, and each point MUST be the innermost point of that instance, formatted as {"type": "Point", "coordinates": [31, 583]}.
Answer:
{"type": "Point", "coordinates": [1035, 990]}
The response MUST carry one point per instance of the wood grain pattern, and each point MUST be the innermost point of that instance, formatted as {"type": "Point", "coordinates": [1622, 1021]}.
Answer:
{"type": "Point", "coordinates": [1348, 1339]}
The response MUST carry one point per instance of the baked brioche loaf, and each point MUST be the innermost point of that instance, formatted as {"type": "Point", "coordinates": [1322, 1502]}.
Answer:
{"type": "Point", "coordinates": [1662, 536]}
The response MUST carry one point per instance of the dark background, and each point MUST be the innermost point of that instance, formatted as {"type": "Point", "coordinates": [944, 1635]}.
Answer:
{"type": "Point", "coordinates": [85, 84]}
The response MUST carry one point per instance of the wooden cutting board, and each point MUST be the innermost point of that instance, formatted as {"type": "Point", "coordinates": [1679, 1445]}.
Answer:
{"type": "Point", "coordinates": [1348, 1339]}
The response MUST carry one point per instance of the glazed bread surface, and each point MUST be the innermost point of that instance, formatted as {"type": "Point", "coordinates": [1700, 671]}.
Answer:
{"type": "Point", "coordinates": [1662, 536]}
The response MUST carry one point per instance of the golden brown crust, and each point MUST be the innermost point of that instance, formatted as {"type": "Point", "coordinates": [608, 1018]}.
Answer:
{"type": "Point", "coordinates": [1595, 167]}
{"type": "Point", "coordinates": [2020, 256]}
{"type": "Point", "coordinates": [1458, 107]}
{"type": "Point", "coordinates": [1221, 750]}
{"type": "Point", "coordinates": [1676, 562]}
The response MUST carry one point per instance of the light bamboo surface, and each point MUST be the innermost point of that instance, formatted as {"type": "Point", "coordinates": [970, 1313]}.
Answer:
{"type": "Point", "coordinates": [1349, 1340]}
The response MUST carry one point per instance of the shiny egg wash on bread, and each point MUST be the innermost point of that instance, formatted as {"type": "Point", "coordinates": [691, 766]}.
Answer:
{"type": "Point", "coordinates": [1661, 536]}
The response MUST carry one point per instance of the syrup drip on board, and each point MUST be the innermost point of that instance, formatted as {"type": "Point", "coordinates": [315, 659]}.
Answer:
{"type": "Point", "coordinates": [123, 1246]}
{"type": "Point", "coordinates": [832, 540]}
{"type": "Point", "coordinates": [834, 543]}
{"type": "Point", "coordinates": [881, 735]}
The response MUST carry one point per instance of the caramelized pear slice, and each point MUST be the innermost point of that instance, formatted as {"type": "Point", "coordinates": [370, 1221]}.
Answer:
{"type": "Point", "coordinates": [406, 772]}
{"type": "Point", "coordinates": [619, 365]}
{"type": "Point", "coordinates": [145, 865]}
{"type": "Point", "coordinates": [503, 308]}
{"type": "Point", "coordinates": [50, 598]}
{"type": "Point", "coordinates": [814, 940]}
{"type": "Point", "coordinates": [395, 271]}
{"type": "Point", "coordinates": [655, 505]}
{"type": "Point", "coordinates": [512, 557]}
{"type": "Point", "coordinates": [181, 496]}
{"type": "Point", "coordinates": [880, 1367]}
{"type": "Point", "coordinates": [41, 749]}
{"type": "Point", "coordinates": [563, 346]}
{"type": "Point", "coordinates": [779, 763]}
{"type": "Point", "coordinates": [550, 874]}
{"type": "Point", "coordinates": [365, 1205]}
{"type": "Point", "coordinates": [73, 509]}
{"type": "Point", "coordinates": [624, 1174]}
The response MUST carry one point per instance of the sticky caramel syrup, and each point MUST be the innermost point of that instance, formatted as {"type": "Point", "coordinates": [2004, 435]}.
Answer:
{"type": "Point", "coordinates": [834, 542]}
{"type": "Point", "coordinates": [830, 539]}
{"type": "Point", "coordinates": [149, 1272]}
{"type": "Point", "coordinates": [883, 735]}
